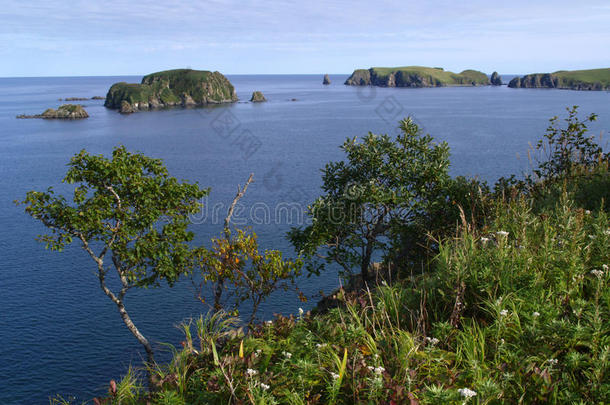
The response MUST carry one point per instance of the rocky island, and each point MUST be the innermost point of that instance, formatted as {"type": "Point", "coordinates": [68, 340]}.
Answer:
{"type": "Point", "coordinates": [326, 79]}
{"type": "Point", "coordinates": [415, 76]}
{"type": "Point", "coordinates": [592, 79]}
{"type": "Point", "coordinates": [258, 97]}
{"type": "Point", "coordinates": [496, 79]}
{"type": "Point", "coordinates": [63, 112]}
{"type": "Point", "coordinates": [178, 87]}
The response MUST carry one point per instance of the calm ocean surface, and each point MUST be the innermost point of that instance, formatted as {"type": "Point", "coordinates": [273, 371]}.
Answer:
{"type": "Point", "coordinates": [60, 334]}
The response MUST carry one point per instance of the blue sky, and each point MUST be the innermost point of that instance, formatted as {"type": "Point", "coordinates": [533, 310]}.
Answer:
{"type": "Point", "coordinates": [73, 38]}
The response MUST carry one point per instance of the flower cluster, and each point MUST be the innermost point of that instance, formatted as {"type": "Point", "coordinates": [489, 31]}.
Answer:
{"type": "Point", "coordinates": [467, 393]}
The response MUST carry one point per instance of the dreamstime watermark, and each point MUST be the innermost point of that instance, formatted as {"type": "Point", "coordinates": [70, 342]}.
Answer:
{"type": "Point", "coordinates": [228, 126]}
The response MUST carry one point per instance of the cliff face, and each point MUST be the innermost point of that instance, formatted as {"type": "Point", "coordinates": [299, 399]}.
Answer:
{"type": "Point", "coordinates": [596, 79]}
{"type": "Point", "coordinates": [496, 80]}
{"type": "Point", "coordinates": [415, 76]}
{"type": "Point", "coordinates": [180, 87]}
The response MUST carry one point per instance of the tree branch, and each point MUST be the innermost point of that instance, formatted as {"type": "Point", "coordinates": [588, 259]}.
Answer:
{"type": "Point", "coordinates": [238, 196]}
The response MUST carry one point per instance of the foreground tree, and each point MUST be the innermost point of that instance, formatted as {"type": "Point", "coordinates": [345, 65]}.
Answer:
{"type": "Point", "coordinates": [383, 185]}
{"type": "Point", "coordinates": [128, 210]}
{"type": "Point", "coordinates": [236, 265]}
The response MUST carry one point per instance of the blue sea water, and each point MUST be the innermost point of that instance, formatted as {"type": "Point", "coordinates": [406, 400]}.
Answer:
{"type": "Point", "coordinates": [59, 334]}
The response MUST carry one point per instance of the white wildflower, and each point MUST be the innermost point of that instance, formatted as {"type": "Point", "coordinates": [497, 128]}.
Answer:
{"type": "Point", "coordinates": [504, 312]}
{"type": "Point", "coordinates": [251, 372]}
{"type": "Point", "coordinates": [287, 354]}
{"type": "Point", "coordinates": [605, 267]}
{"type": "Point", "coordinates": [371, 368]}
{"type": "Point", "coordinates": [607, 232]}
{"type": "Point", "coordinates": [257, 352]}
{"type": "Point", "coordinates": [536, 314]}
{"type": "Point", "coordinates": [553, 362]}
{"type": "Point", "coordinates": [334, 375]}
{"type": "Point", "coordinates": [484, 240]}
{"type": "Point", "coordinates": [597, 273]}
{"type": "Point", "coordinates": [321, 345]}
{"type": "Point", "coordinates": [591, 236]}
{"type": "Point", "coordinates": [501, 341]}
{"type": "Point", "coordinates": [265, 386]}
{"type": "Point", "coordinates": [502, 233]}
{"type": "Point", "coordinates": [379, 370]}
{"type": "Point", "coordinates": [432, 341]}
{"type": "Point", "coordinates": [301, 312]}
{"type": "Point", "coordinates": [268, 322]}
{"type": "Point", "coordinates": [467, 393]}
{"type": "Point", "coordinates": [587, 212]}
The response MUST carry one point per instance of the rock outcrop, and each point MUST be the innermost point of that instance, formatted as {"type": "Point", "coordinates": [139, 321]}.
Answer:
{"type": "Point", "coordinates": [326, 79]}
{"type": "Point", "coordinates": [257, 97]}
{"type": "Point", "coordinates": [179, 87]}
{"type": "Point", "coordinates": [63, 112]}
{"type": "Point", "coordinates": [594, 79]}
{"type": "Point", "coordinates": [415, 76]}
{"type": "Point", "coordinates": [496, 80]}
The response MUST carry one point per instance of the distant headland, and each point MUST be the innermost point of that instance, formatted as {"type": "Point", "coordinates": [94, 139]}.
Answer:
{"type": "Point", "coordinates": [416, 76]}
{"type": "Point", "coordinates": [178, 87]}
{"type": "Point", "coordinates": [591, 79]}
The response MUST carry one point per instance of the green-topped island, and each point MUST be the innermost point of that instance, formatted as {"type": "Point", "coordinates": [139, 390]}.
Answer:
{"type": "Point", "coordinates": [178, 87]}
{"type": "Point", "coordinates": [591, 79]}
{"type": "Point", "coordinates": [415, 76]}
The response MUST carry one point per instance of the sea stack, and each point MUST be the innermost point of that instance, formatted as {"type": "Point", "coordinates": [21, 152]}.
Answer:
{"type": "Point", "coordinates": [326, 79]}
{"type": "Point", "coordinates": [258, 97]}
{"type": "Point", "coordinates": [496, 79]}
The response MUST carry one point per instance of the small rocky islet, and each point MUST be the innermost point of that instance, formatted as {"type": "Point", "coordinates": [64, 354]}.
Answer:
{"type": "Point", "coordinates": [258, 97]}
{"type": "Point", "coordinates": [63, 112]}
{"type": "Point", "coordinates": [326, 79]}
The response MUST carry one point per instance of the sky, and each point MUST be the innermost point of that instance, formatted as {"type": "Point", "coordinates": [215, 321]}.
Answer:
{"type": "Point", "coordinates": [134, 37]}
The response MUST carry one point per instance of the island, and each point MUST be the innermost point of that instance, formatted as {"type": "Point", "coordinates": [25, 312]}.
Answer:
{"type": "Point", "coordinates": [326, 79]}
{"type": "Point", "coordinates": [415, 76]}
{"type": "Point", "coordinates": [496, 79]}
{"type": "Point", "coordinates": [258, 97]}
{"type": "Point", "coordinates": [591, 79]}
{"type": "Point", "coordinates": [64, 112]}
{"type": "Point", "coordinates": [178, 87]}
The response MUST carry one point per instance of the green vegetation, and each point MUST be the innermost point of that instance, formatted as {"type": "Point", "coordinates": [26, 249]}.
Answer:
{"type": "Point", "coordinates": [64, 111]}
{"type": "Point", "coordinates": [184, 87]}
{"type": "Point", "coordinates": [127, 211]}
{"type": "Point", "coordinates": [416, 76]}
{"type": "Point", "coordinates": [506, 303]}
{"type": "Point", "coordinates": [592, 79]}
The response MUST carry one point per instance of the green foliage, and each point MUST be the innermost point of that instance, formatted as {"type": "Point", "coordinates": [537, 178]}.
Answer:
{"type": "Point", "coordinates": [236, 262]}
{"type": "Point", "coordinates": [529, 325]}
{"type": "Point", "coordinates": [567, 149]}
{"type": "Point", "coordinates": [383, 185]}
{"type": "Point", "coordinates": [131, 206]}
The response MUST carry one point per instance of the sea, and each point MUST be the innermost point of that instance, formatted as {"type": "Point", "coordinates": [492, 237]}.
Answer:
{"type": "Point", "coordinates": [60, 335]}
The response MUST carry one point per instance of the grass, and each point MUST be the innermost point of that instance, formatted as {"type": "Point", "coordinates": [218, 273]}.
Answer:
{"type": "Point", "coordinates": [586, 76]}
{"type": "Point", "coordinates": [515, 312]}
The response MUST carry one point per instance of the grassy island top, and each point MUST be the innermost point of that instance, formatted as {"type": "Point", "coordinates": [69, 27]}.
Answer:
{"type": "Point", "coordinates": [588, 76]}
{"type": "Point", "coordinates": [437, 73]}
{"type": "Point", "coordinates": [416, 76]}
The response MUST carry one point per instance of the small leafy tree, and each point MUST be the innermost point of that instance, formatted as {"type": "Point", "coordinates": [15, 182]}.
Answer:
{"type": "Point", "coordinates": [383, 185]}
{"type": "Point", "coordinates": [235, 263]}
{"type": "Point", "coordinates": [127, 209]}
{"type": "Point", "coordinates": [566, 149]}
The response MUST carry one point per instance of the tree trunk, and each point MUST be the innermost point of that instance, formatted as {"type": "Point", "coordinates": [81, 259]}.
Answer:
{"type": "Point", "coordinates": [150, 359]}
{"type": "Point", "coordinates": [366, 260]}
